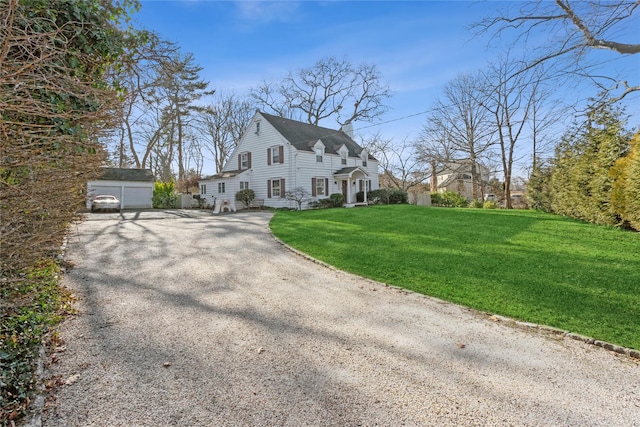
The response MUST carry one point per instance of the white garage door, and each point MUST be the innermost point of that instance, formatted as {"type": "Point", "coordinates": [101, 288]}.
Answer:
{"type": "Point", "coordinates": [137, 197]}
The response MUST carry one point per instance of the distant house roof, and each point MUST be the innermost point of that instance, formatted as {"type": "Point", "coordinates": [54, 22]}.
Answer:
{"type": "Point", "coordinates": [223, 175]}
{"type": "Point", "coordinates": [303, 136]}
{"type": "Point", "coordinates": [122, 174]}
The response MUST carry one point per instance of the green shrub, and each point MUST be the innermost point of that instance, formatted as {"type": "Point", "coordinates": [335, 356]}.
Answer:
{"type": "Point", "coordinates": [337, 199]}
{"type": "Point", "coordinates": [246, 196]}
{"type": "Point", "coordinates": [385, 196]}
{"type": "Point", "coordinates": [448, 199]}
{"type": "Point", "coordinates": [625, 190]}
{"type": "Point", "coordinates": [378, 197]}
{"type": "Point", "coordinates": [164, 195]}
{"type": "Point", "coordinates": [490, 204]}
{"type": "Point", "coordinates": [477, 204]}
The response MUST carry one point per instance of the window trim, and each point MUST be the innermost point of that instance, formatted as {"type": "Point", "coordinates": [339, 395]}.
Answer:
{"type": "Point", "coordinates": [244, 160]}
{"type": "Point", "coordinates": [316, 183]}
{"type": "Point", "coordinates": [281, 188]}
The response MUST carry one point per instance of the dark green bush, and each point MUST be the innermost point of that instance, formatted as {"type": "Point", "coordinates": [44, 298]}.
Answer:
{"type": "Point", "coordinates": [337, 199]}
{"type": "Point", "coordinates": [246, 196]}
{"type": "Point", "coordinates": [385, 196]}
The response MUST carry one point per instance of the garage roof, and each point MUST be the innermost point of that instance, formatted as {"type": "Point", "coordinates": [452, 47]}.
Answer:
{"type": "Point", "coordinates": [122, 174]}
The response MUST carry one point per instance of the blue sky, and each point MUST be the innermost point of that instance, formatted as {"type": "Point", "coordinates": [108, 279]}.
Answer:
{"type": "Point", "coordinates": [418, 46]}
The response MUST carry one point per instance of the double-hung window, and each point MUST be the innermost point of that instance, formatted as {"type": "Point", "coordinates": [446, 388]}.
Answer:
{"type": "Point", "coordinates": [244, 185]}
{"type": "Point", "coordinates": [320, 186]}
{"type": "Point", "coordinates": [275, 188]}
{"type": "Point", "coordinates": [319, 152]}
{"type": "Point", "coordinates": [221, 188]}
{"type": "Point", "coordinates": [275, 155]}
{"type": "Point", "coordinates": [343, 157]}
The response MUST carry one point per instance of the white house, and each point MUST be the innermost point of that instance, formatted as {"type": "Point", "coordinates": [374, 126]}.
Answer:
{"type": "Point", "coordinates": [133, 187]}
{"type": "Point", "coordinates": [456, 177]}
{"type": "Point", "coordinates": [276, 155]}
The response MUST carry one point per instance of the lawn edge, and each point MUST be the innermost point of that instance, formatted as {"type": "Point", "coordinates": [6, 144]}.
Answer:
{"type": "Point", "coordinates": [623, 351]}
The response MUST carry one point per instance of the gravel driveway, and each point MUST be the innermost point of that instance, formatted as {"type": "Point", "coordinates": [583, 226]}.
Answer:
{"type": "Point", "coordinates": [190, 319]}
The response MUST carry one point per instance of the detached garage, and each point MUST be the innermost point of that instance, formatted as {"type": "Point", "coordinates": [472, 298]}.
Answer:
{"type": "Point", "coordinates": [133, 187]}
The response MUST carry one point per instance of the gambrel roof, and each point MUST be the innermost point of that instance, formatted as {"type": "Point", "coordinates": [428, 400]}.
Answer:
{"type": "Point", "coordinates": [303, 136]}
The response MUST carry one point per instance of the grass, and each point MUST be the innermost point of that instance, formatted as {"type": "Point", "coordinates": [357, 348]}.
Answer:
{"type": "Point", "coordinates": [527, 265]}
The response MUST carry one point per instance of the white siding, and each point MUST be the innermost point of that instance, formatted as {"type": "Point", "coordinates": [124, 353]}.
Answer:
{"type": "Point", "coordinates": [298, 168]}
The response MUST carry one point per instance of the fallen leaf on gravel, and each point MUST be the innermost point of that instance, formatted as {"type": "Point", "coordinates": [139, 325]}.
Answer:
{"type": "Point", "coordinates": [72, 379]}
{"type": "Point", "coordinates": [461, 345]}
{"type": "Point", "coordinates": [260, 350]}
{"type": "Point", "coordinates": [166, 364]}
{"type": "Point", "coordinates": [493, 318]}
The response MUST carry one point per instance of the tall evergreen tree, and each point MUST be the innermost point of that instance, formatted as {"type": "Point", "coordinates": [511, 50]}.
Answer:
{"type": "Point", "coordinates": [581, 184]}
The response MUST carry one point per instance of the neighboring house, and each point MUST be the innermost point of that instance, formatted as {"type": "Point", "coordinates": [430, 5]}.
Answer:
{"type": "Point", "coordinates": [133, 187]}
{"type": "Point", "coordinates": [456, 177]}
{"type": "Point", "coordinates": [276, 155]}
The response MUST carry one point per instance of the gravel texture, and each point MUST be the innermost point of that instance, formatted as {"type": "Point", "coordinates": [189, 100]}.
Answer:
{"type": "Point", "coordinates": [190, 319]}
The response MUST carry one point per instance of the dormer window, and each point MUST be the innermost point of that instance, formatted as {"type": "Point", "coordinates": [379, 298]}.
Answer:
{"type": "Point", "coordinates": [318, 149]}
{"type": "Point", "coordinates": [343, 157]}
{"type": "Point", "coordinates": [364, 159]}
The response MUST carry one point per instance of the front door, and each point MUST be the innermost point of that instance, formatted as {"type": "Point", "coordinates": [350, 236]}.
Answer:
{"type": "Point", "coordinates": [344, 190]}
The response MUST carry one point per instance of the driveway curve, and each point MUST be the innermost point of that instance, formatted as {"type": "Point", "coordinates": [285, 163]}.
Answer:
{"type": "Point", "coordinates": [189, 319]}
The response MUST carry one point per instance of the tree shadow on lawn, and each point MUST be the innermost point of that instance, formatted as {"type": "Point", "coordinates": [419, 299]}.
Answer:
{"type": "Point", "coordinates": [535, 267]}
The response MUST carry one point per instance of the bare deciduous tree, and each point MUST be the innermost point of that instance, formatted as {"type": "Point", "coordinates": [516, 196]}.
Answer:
{"type": "Point", "coordinates": [331, 88]}
{"type": "Point", "coordinates": [400, 165]}
{"type": "Point", "coordinates": [458, 128]}
{"type": "Point", "coordinates": [298, 195]}
{"type": "Point", "coordinates": [573, 29]}
{"type": "Point", "coordinates": [509, 97]}
{"type": "Point", "coordinates": [222, 124]}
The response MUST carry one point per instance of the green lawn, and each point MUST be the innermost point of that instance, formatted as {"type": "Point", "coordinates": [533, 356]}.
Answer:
{"type": "Point", "coordinates": [527, 265]}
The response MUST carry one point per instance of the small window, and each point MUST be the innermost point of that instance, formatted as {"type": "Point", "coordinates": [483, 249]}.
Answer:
{"type": "Point", "coordinates": [364, 161]}
{"type": "Point", "coordinates": [203, 189]}
{"type": "Point", "coordinates": [320, 190]}
{"type": "Point", "coordinates": [244, 185]}
{"type": "Point", "coordinates": [244, 161]}
{"type": "Point", "coordinates": [275, 188]}
{"type": "Point", "coordinates": [257, 128]}
{"type": "Point", "coordinates": [275, 155]}
{"type": "Point", "coordinates": [221, 187]}
{"type": "Point", "coordinates": [319, 153]}
{"type": "Point", "coordinates": [343, 157]}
